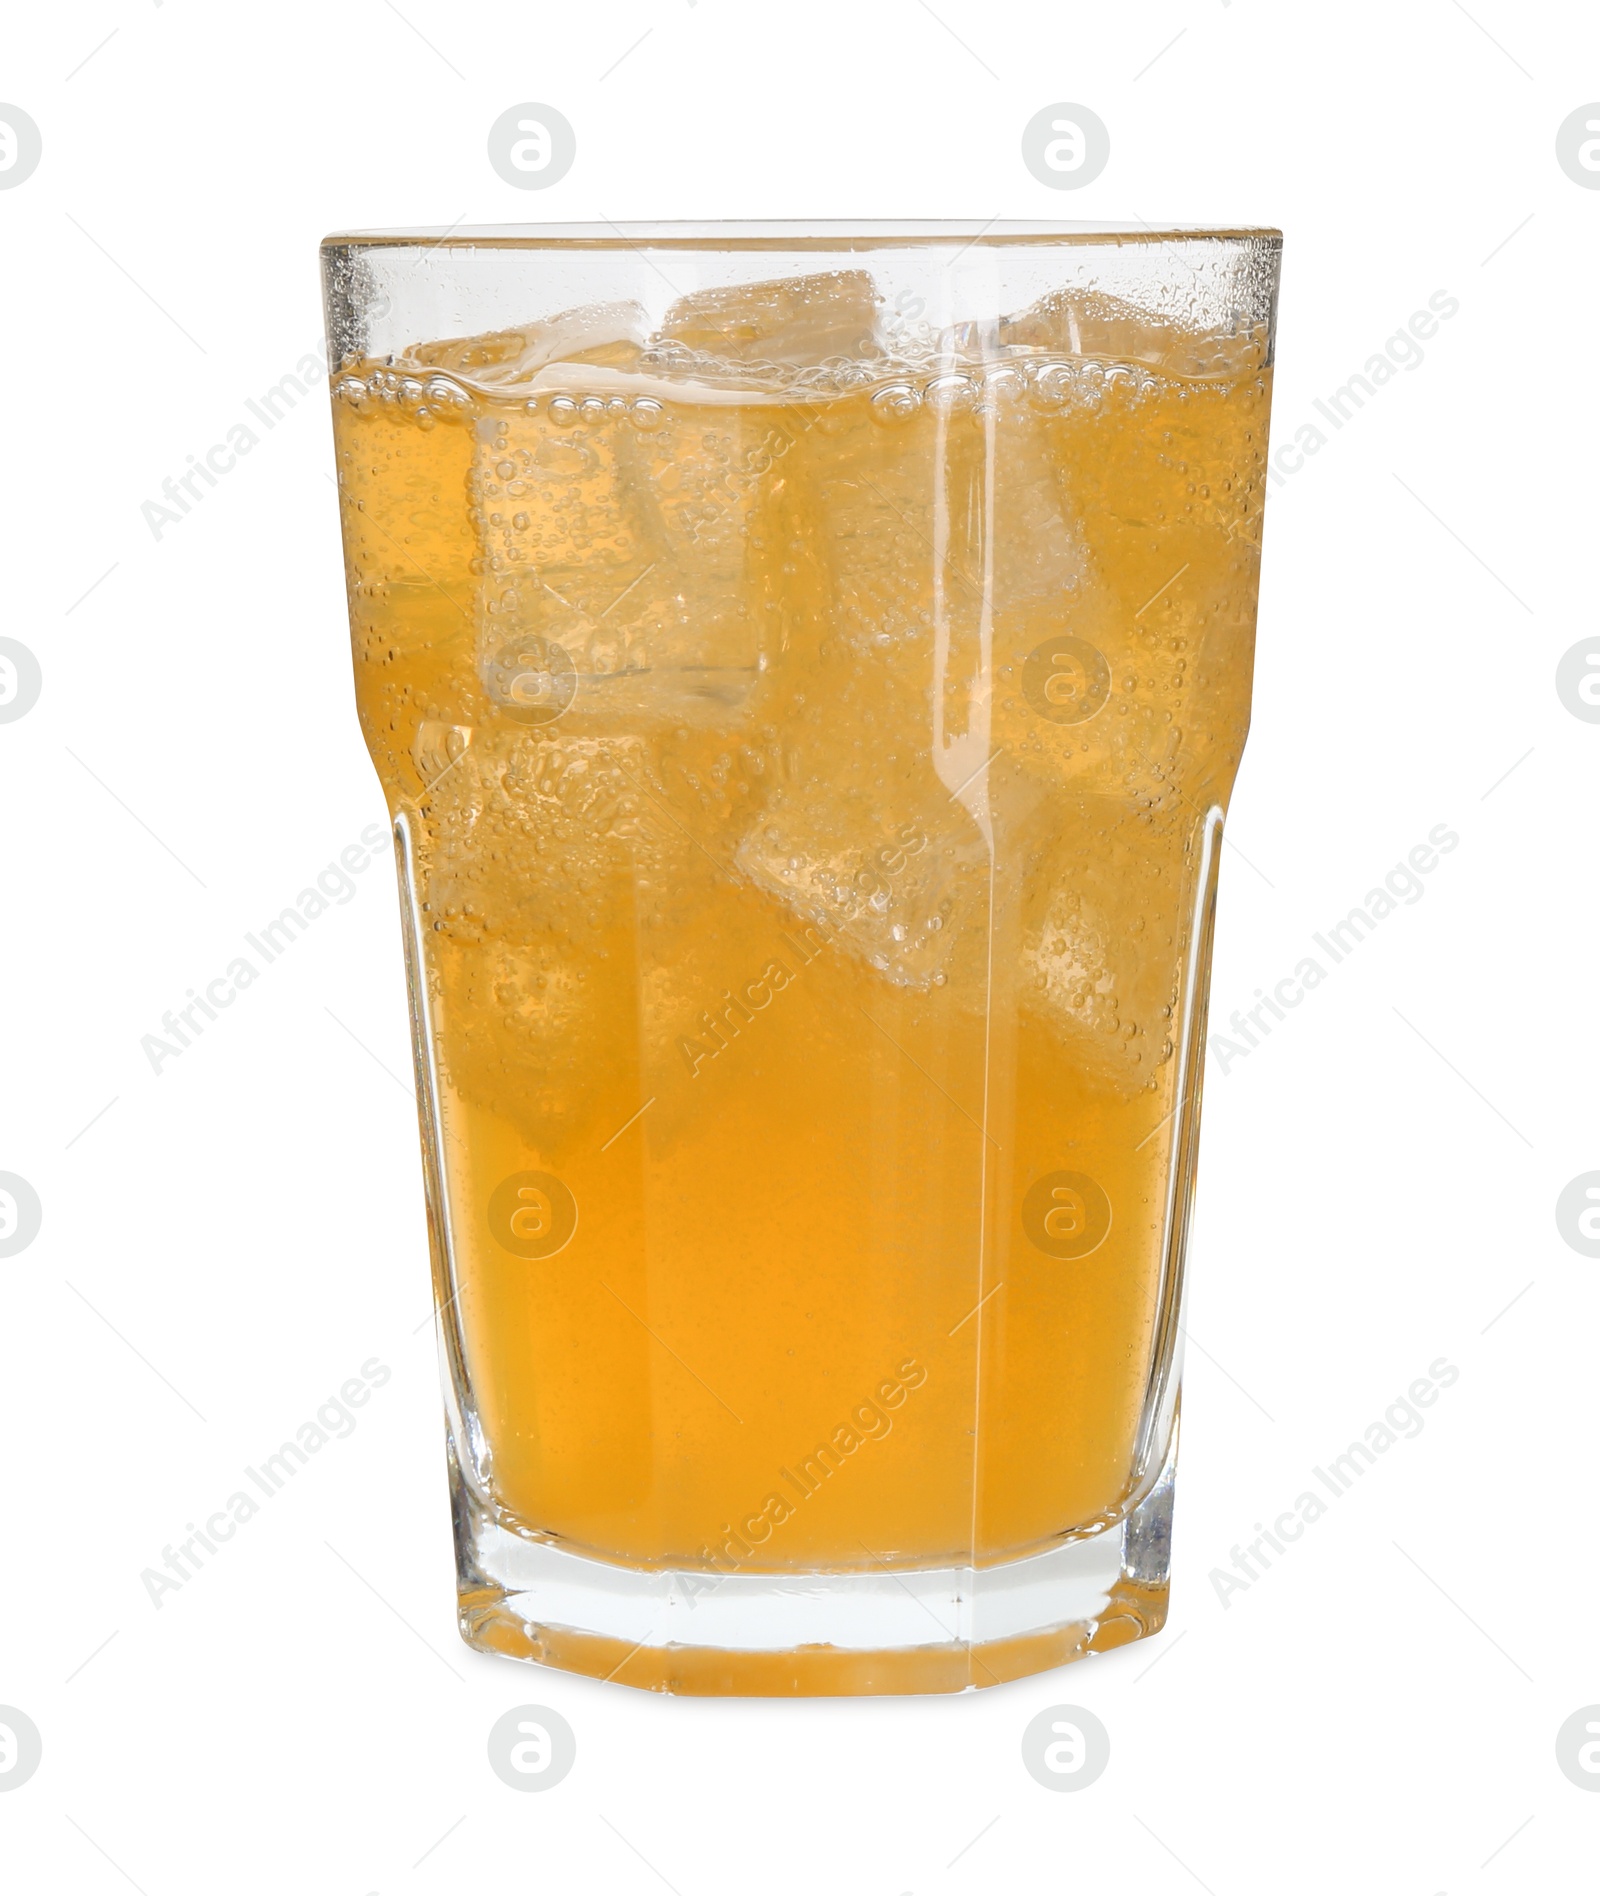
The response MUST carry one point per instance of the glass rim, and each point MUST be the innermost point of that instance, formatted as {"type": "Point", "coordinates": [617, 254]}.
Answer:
{"type": "Point", "coordinates": [792, 234]}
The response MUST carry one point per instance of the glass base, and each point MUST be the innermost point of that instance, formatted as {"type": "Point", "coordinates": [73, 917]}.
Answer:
{"type": "Point", "coordinates": [801, 1635]}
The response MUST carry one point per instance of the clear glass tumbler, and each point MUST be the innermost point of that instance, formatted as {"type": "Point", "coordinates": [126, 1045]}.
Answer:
{"type": "Point", "coordinates": [806, 666]}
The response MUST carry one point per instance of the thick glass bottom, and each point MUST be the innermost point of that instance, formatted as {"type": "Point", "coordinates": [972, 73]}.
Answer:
{"type": "Point", "coordinates": [813, 1634]}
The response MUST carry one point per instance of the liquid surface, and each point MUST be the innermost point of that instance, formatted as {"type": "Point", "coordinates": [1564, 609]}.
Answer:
{"type": "Point", "coordinates": [806, 737]}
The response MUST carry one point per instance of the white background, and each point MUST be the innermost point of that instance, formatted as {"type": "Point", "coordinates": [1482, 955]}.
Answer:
{"type": "Point", "coordinates": [228, 1242]}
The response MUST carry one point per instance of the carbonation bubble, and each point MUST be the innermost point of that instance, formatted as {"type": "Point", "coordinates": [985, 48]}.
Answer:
{"type": "Point", "coordinates": [646, 413]}
{"type": "Point", "coordinates": [895, 403]}
{"type": "Point", "coordinates": [563, 411]}
{"type": "Point", "coordinates": [947, 393]}
{"type": "Point", "coordinates": [446, 397]}
{"type": "Point", "coordinates": [1002, 385]}
{"type": "Point", "coordinates": [1052, 385]}
{"type": "Point", "coordinates": [592, 408]}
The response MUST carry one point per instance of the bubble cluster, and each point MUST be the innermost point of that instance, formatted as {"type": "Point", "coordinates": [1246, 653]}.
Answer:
{"type": "Point", "coordinates": [898, 402]}
{"type": "Point", "coordinates": [436, 399]}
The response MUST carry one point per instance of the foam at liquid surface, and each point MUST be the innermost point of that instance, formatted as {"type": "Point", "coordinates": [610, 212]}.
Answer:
{"type": "Point", "coordinates": [816, 337]}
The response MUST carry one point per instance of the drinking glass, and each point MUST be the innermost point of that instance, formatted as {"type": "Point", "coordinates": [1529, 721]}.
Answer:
{"type": "Point", "coordinates": [806, 666]}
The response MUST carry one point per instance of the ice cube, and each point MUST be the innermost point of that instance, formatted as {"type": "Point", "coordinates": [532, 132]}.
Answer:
{"type": "Point", "coordinates": [569, 791]}
{"type": "Point", "coordinates": [520, 811]}
{"type": "Point", "coordinates": [1132, 684]}
{"type": "Point", "coordinates": [891, 878]}
{"type": "Point", "coordinates": [1040, 558]}
{"type": "Point", "coordinates": [608, 335]}
{"type": "Point", "coordinates": [797, 322]}
{"type": "Point", "coordinates": [872, 500]}
{"type": "Point", "coordinates": [858, 832]}
{"type": "Point", "coordinates": [632, 545]}
{"type": "Point", "coordinates": [1090, 323]}
{"type": "Point", "coordinates": [1089, 698]}
{"type": "Point", "coordinates": [1103, 944]}
{"type": "Point", "coordinates": [927, 517]}
{"type": "Point", "coordinates": [936, 541]}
